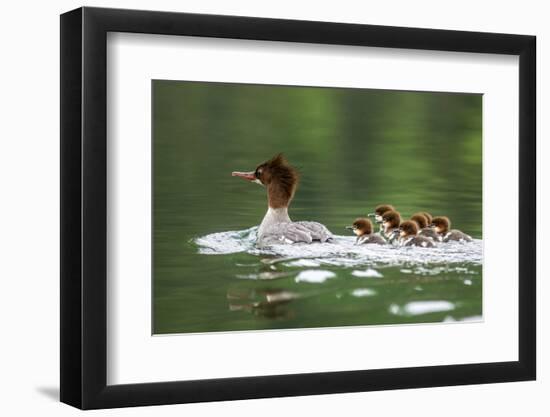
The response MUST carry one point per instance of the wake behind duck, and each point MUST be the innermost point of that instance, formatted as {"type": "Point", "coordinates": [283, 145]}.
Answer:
{"type": "Point", "coordinates": [341, 251]}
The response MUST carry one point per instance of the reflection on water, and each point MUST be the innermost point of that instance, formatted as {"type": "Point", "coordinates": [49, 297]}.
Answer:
{"type": "Point", "coordinates": [355, 149]}
{"type": "Point", "coordinates": [270, 303]}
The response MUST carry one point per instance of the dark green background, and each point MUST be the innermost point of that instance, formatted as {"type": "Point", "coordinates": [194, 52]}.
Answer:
{"type": "Point", "coordinates": [355, 149]}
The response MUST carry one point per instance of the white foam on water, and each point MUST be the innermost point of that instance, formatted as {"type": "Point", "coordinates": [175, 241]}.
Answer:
{"type": "Point", "coordinates": [368, 273]}
{"type": "Point", "coordinates": [415, 308]}
{"type": "Point", "coordinates": [314, 276]}
{"type": "Point", "coordinates": [363, 292]}
{"type": "Point", "coordinates": [223, 243]}
{"type": "Point", "coordinates": [343, 252]}
{"type": "Point", "coordinates": [308, 263]}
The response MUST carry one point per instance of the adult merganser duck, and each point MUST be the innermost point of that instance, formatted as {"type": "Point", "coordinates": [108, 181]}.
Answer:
{"type": "Point", "coordinates": [423, 226]}
{"type": "Point", "coordinates": [390, 223]}
{"type": "Point", "coordinates": [363, 229]}
{"type": "Point", "coordinates": [409, 236]}
{"type": "Point", "coordinates": [281, 180]}
{"type": "Point", "coordinates": [442, 225]}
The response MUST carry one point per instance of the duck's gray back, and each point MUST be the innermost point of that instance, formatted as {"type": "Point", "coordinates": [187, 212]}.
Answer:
{"type": "Point", "coordinates": [294, 232]}
{"type": "Point", "coordinates": [373, 238]}
{"type": "Point", "coordinates": [318, 231]}
{"type": "Point", "coordinates": [457, 236]}
{"type": "Point", "coordinates": [431, 233]}
{"type": "Point", "coordinates": [421, 241]}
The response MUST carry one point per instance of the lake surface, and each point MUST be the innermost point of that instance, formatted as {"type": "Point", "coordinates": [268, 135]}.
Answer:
{"type": "Point", "coordinates": [355, 149]}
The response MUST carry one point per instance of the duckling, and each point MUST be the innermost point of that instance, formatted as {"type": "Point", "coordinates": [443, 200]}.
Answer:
{"type": "Point", "coordinates": [390, 222]}
{"type": "Point", "coordinates": [442, 225]}
{"type": "Point", "coordinates": [362, 227]}
{"type": "Point", "coordinates": [428, 216]}
{"type": "Point", "coordinates": [409, 236]}
{"type": "Point", "coordinates": [423, 224]}
{"type": "Point", "coordinates": [378, 211]}
{"type": "Point", "coordinates": [420, 219]}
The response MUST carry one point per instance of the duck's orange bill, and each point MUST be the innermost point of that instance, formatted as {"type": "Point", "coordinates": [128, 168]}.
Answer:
{"type": "Point", "coordinates": [246, 175]}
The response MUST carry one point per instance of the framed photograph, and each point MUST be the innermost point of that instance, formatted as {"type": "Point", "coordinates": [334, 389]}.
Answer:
{"type": "Point", "coordinates": [257, 208]}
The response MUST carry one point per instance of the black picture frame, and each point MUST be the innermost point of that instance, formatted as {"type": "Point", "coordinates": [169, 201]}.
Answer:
{"type": "Point", "coordinates": [84, 207]}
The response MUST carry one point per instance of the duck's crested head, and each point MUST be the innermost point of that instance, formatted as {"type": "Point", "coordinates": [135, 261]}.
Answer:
{"type": "Point", "coordinates": [278, 170]}
{"type": "Point", "coordinates": [362, 226]}
{"type": "Point", "coordinates": [382, 208]}
{"type": "Point", "coordinates": [379, 210]}
{"type": "Point", "coordinates": [409, 228]}
{"type": "Point", "coordinates": [391, 219]}
{"type": "Point", "coordinates": [442, 224]}
{"type": "Point", "coordinates": [428, 216]}
{"type": "Point", "coordinates": [420, 219]}
{"type": "Point", "coordinates": [280, 178]}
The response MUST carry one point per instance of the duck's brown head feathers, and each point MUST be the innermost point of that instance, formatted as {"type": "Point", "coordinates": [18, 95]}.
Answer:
{"type": "Point", "coordinates": [420, 219]}
{"type": "Point", "coordinates": [391, 219]}
{"type": "Point", "coordinates": [409, 228]}
{"type": "Point", "coordinates": [428, 216]}
{"type": "Point", "coordinates": [362, 226]}
{"type": "Point", "coordinates": [278, 176]}
{"type": "Point", "coordinates": [442, 224]}
{"type": "Point", "coordinates": [382, 208]}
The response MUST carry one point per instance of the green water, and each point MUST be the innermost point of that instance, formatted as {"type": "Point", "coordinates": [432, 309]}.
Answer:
{"type": "Point", "coordinates": [355, 149]}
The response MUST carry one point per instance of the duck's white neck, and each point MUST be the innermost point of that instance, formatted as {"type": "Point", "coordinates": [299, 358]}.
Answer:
{"type": "Point", "coordinates": [272, 217]}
